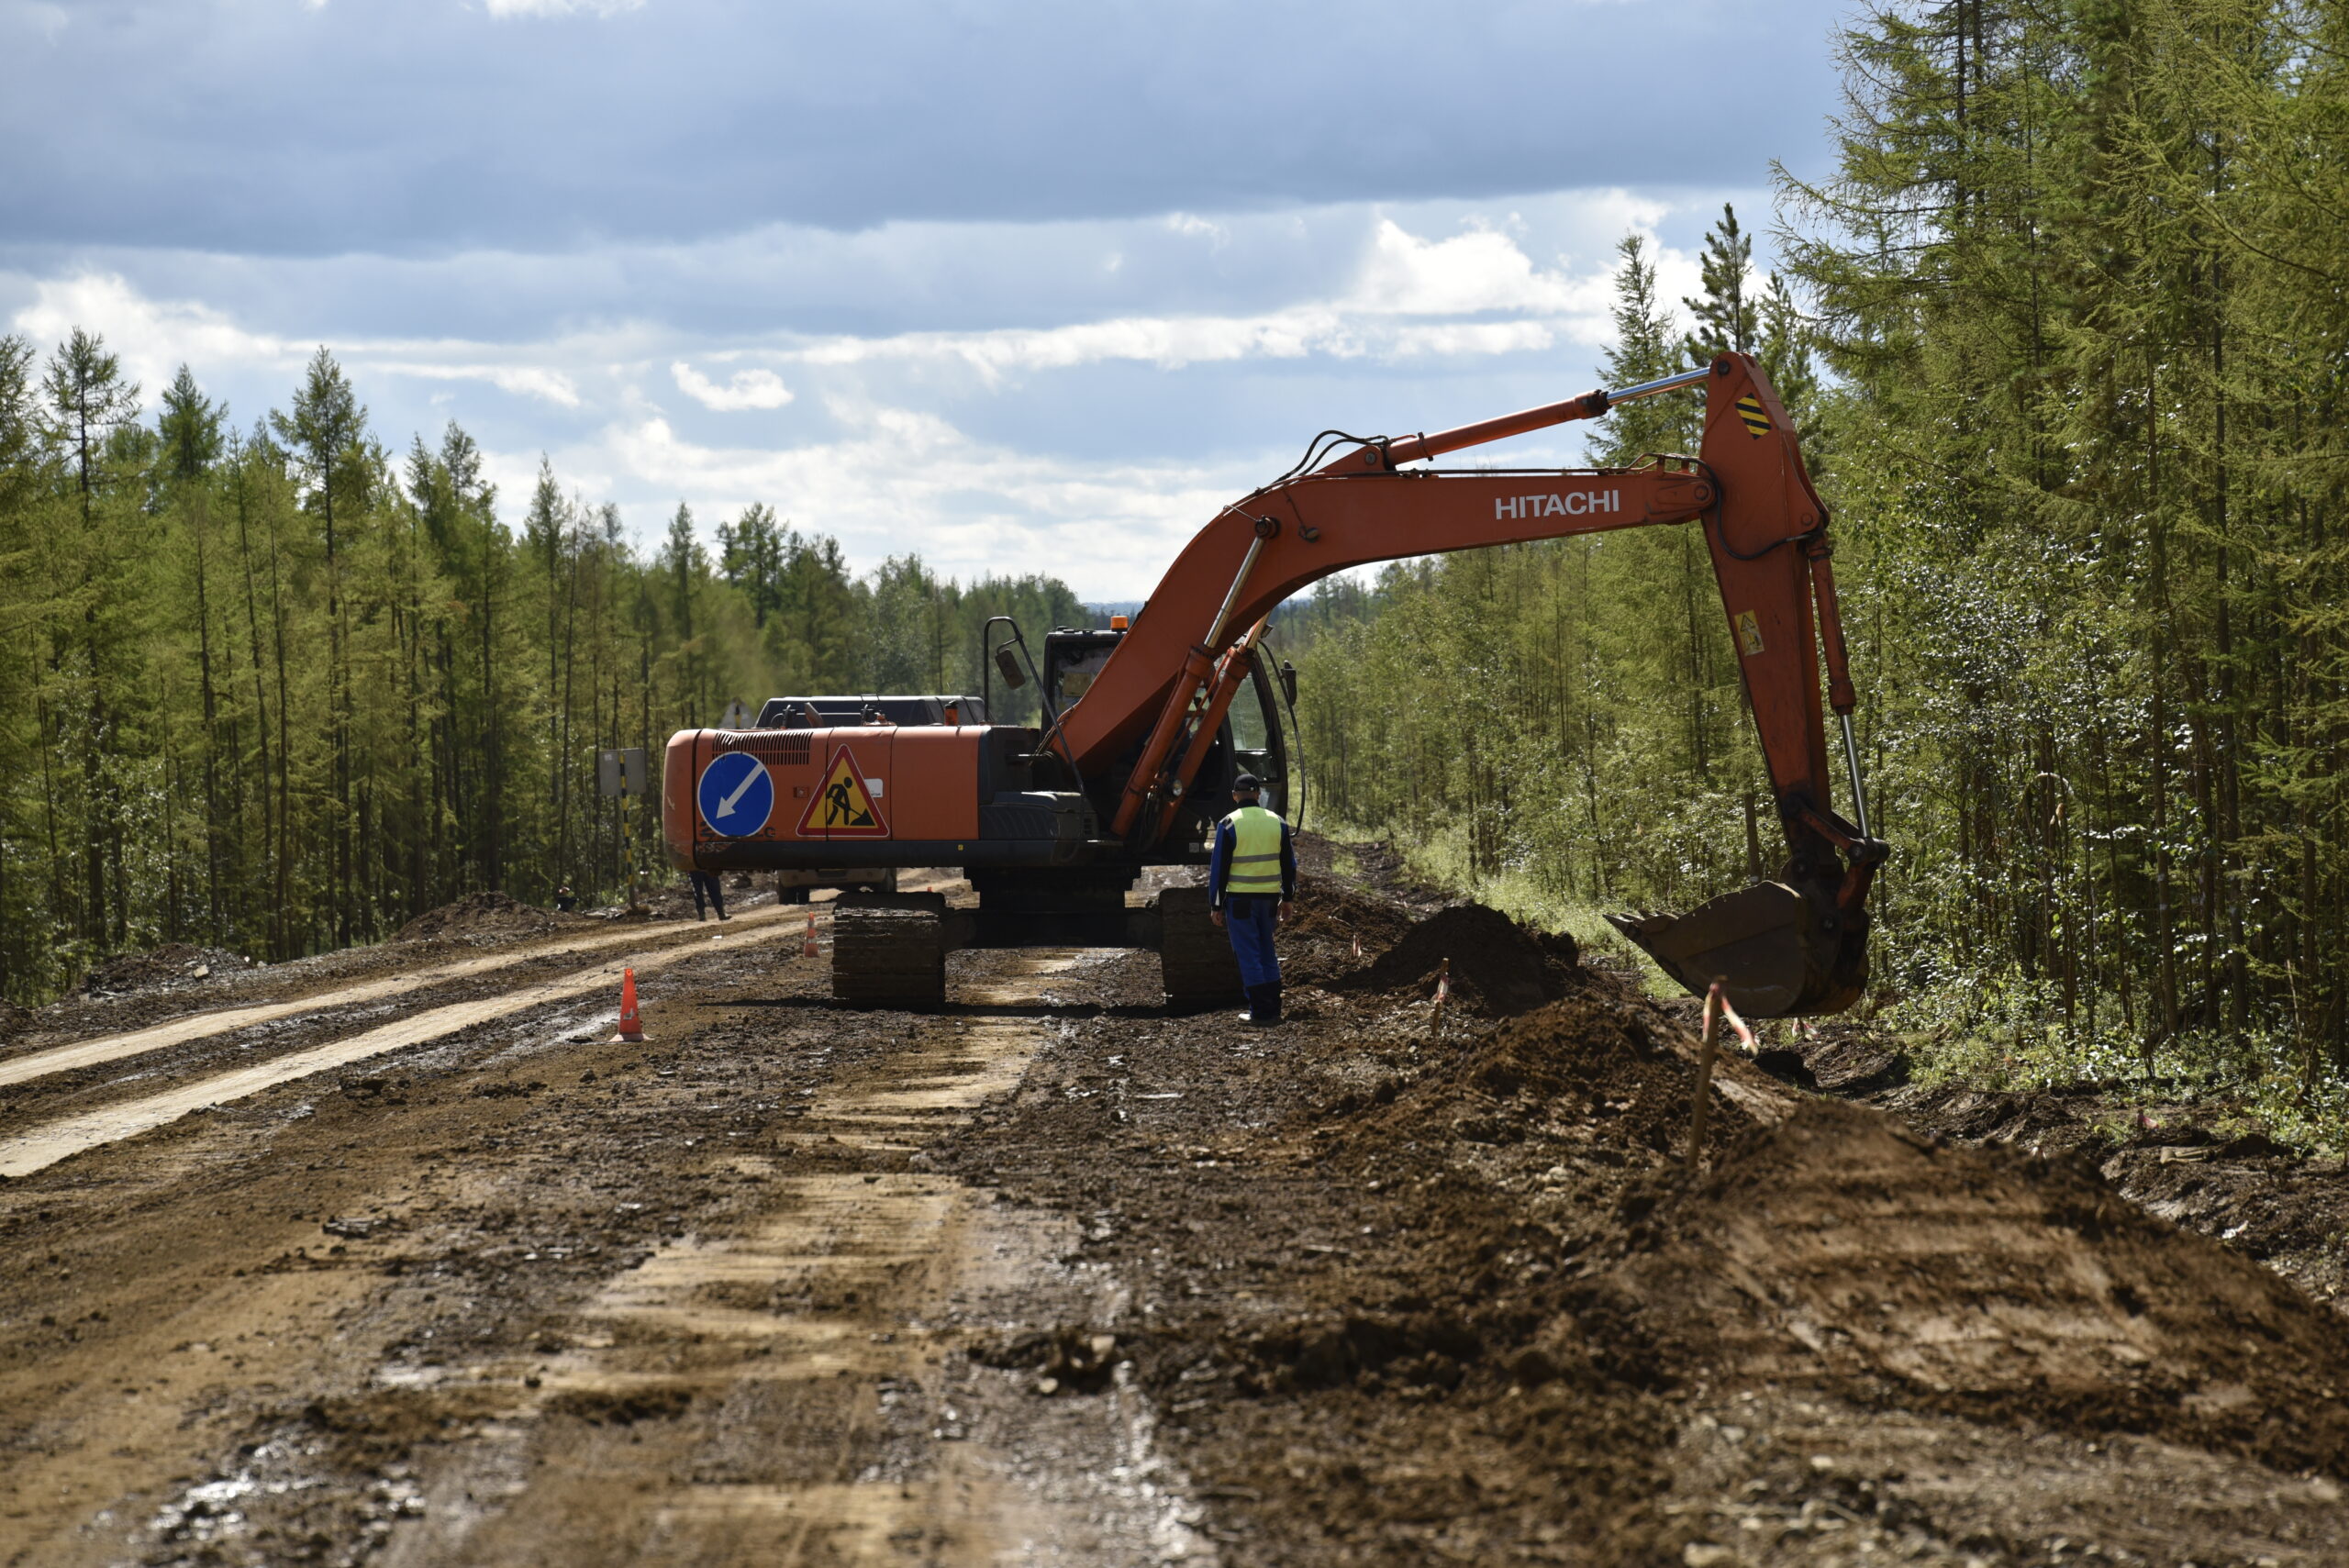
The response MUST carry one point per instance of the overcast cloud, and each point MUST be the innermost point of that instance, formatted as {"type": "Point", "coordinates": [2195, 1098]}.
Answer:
{"type": "Point", "coordinates": [1021, 287]}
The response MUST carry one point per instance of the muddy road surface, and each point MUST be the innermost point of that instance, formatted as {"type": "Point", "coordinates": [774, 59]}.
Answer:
{"type": "Point", "coordinates": [443, 1274]}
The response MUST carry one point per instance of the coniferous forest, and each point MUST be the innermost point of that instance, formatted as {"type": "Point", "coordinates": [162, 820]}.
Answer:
{"type": "Point", "coordinates": [2066, 332]}
{"type": "Point", "coordinates": [277, 688]}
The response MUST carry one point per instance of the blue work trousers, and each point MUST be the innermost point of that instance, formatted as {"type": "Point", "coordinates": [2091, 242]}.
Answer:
{"type": "Point", "coordinates": [1249, 918]}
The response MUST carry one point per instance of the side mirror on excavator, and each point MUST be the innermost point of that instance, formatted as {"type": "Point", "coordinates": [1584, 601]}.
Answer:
{"type": "Point", "coordinates": [1288, 682]}
{"type": "Point", "coordinates": [1008, 663]}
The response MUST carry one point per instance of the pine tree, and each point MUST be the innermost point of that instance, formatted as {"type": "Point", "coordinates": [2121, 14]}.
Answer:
{"type": "Point", "coordinates": [88, 403]}
{"type": "Point", "coordinates": [325, 428]}
{"type": "Point", "coordinates": [1727, 316]}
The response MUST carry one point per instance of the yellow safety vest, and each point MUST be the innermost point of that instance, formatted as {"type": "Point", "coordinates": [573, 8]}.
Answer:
{"type": "Point", "coordinates": [1255, 866]}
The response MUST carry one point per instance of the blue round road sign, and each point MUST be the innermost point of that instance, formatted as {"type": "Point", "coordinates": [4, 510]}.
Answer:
{"type": "Point", "coordinates": [736, 795]}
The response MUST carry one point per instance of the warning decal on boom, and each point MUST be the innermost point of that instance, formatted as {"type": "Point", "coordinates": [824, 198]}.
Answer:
{"type": "Point", "coordinates": [843, 808]}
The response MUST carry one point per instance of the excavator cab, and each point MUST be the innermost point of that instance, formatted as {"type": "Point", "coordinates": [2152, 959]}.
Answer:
{"type": "Point", "coordinates": [1250, 739]}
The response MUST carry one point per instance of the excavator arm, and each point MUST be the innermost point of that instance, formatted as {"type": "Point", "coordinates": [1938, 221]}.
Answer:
{"type": "Point", "coordinates": [1797, 945]}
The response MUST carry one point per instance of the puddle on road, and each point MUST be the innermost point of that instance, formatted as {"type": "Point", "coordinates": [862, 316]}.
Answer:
{"type": "Point", "coordinates": [811, 1412]}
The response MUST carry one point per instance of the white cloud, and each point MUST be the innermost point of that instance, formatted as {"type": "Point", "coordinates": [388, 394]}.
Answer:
{"type": "Point", "coordinates": [1399, 277]}
{"type": "Point", "coordinates": [1192, 227]}
{"type": "Point", "coordinates": [748, 389]}
{"type": "Point", "coordinates": [1480, 270]}
{"type": "Point", "coordinates": [910, 479]}
{"type": "Point", "coordinates": [557, 8]}
{"type": "Point", "coordinates": [154, 337]}
{"type": "Point", "coordinates": [37, 16]}
{"type": "Point", "coordinates": [523, 381]}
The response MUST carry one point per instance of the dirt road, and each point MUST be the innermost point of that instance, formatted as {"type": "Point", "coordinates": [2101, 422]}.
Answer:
{"type": "Point", "coordinates": [1057, 1276]}
{"type": "Point", "coordinates": [498, 1289]}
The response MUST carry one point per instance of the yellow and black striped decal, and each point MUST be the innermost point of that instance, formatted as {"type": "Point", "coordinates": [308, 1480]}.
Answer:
{"type": "Point", "coordinates": [1757, 423]}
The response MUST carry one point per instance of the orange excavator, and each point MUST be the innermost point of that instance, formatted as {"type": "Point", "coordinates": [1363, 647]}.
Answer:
{"type": "Point", "coordinates": [1133, 761]}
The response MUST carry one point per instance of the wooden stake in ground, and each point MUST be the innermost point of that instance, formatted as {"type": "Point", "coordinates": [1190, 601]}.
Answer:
{"type": "Point", "coordinates": [1713, 1006]}
{"type": "Point", "coordinates": [1442, 995]}
{"type": "Point", "coordinates": [1717, 1008]}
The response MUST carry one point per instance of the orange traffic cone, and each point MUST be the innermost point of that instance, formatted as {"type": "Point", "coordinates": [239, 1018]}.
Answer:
{"type": "Point", "coordinates": [807, 948]}
{"type": "Point", "coordinates": [631, 1027]}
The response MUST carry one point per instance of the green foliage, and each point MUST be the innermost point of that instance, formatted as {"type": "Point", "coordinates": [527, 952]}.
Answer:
{"type": "Point", "coordinates": [276, 692]}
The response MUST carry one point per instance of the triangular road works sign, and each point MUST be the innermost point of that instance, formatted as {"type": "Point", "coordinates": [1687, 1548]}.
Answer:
{"type": "Point", "coordinates": [844, 806]}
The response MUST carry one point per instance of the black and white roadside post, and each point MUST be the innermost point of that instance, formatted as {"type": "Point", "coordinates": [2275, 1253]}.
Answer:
{"type": "Point", "coordinates": [619, 773]}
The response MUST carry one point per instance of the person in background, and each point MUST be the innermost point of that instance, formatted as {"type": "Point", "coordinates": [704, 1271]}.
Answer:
{"type": "Point", "coordinates": [566, 901]}
{"type": "Point", "coordinates": [707, 895]}
{"type": "Point", "coordinates": [1250, 877]}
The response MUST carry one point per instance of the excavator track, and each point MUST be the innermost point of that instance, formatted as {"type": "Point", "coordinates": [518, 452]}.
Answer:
{"type": "Point", "coordinates": [890, 955]}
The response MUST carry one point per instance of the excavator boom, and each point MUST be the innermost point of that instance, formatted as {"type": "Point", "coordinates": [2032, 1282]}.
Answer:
{"type": "Point", "coordinates": [1795, 945]}
{"type": "Point", "coordinates": [1055, 824]}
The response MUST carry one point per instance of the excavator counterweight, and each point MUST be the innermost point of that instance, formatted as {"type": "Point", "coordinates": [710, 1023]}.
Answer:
{"type": "Point", "coordinates": [1134, 757]}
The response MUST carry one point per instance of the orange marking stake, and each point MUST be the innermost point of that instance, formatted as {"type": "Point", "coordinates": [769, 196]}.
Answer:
{"type": "Point", "coordinates": [631, 1027]}
{"type": "Point", "coordinates": [807, 948]}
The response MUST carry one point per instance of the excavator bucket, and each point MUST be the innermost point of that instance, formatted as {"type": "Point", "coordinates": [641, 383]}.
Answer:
{"type": "Point", "coordinates": [1770, 946]}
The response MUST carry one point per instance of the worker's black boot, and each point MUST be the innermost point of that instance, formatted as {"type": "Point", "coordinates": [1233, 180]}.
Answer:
{"type": "Point", "coordinates": [1268, 1003]}
{"type": "Point", "coordinates": [1257, 1012]}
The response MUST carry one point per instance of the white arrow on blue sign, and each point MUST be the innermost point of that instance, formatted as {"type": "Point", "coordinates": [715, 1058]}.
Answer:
{"type": "Point", "coordinates": [736, 795]}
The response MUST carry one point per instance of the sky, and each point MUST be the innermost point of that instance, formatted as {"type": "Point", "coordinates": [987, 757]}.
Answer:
{"type": "Point", "coordinates": [1021, 285]}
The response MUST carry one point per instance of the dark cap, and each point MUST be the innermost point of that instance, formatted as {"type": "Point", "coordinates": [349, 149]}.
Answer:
{"type": "Point", "coordinates": [1246, 783]}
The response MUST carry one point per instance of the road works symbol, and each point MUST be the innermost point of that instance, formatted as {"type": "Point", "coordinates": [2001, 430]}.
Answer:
{"type": "Point", "coordinates": [736, 795]}
{"type": "Point", "coordinates": [844, 806]}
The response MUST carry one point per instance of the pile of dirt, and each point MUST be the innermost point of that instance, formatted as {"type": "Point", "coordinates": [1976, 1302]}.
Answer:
{"type": "Point", "coordinates": [1498, 967]}
{"type": "Point", "coordinates": [1845, 1252]}
{"type": "Point", "coordinates": [1333, 909]}
{"type": "Point", "coordinates": [173, 963]}
{"type": "Point", "coordinates": [496, 916]}
{"type": "Point", "coordinates": [1331, 929]}
{"type": "Point", "coordinates": [1602, 1067]}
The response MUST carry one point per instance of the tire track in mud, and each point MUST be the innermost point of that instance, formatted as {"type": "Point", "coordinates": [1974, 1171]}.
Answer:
{"type": "Point", "coordinates": [41, 1146]}
{"type": "Point", "coordinates": [104, 1049]}
{"type": "Point", "coordinates": [791, 1395]}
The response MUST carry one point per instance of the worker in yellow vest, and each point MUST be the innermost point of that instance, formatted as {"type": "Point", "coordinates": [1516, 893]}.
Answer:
{"type": "Point", "coordinates": [1250, 876]}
